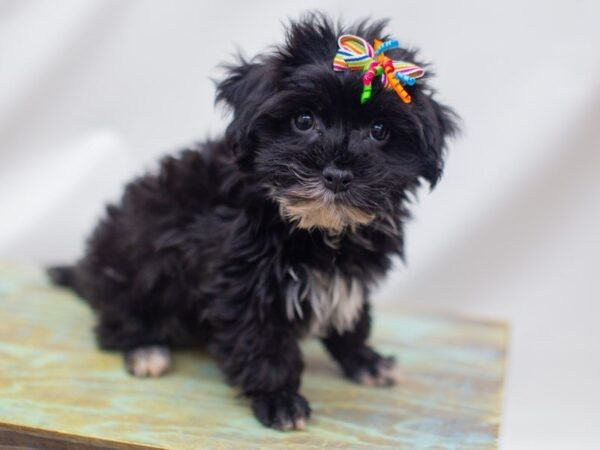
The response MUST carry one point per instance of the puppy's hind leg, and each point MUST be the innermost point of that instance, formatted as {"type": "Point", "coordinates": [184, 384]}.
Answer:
{"type": "Point", "coordinates": [144, 353]}
{"type": "Point", "coordinates": [148, 361]}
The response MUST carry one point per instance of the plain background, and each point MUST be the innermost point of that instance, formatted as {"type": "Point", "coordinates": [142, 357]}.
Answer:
{"type": "Point", "coordinates": [94, 91]}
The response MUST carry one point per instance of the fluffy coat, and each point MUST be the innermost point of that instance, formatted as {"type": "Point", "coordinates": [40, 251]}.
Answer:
{"type": "Point", "coordinates": [239, 243]}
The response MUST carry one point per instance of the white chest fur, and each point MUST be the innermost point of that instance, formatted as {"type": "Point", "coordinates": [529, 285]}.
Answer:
{"type": "Point", "coordinates": [335, 301]}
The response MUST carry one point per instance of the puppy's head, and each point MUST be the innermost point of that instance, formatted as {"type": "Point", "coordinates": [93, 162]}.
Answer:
{"type": "Point", "coordinates": [330, 161]}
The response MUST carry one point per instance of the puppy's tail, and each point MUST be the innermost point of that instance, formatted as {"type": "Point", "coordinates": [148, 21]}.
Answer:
{"type": "Point", "coordinates": [62, 275]}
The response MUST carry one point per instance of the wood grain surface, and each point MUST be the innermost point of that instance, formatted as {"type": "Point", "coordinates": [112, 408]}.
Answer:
{"type": "Point", "coordinates": [58, 391]}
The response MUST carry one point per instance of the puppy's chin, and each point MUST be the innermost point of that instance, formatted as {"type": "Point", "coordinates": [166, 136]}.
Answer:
{"type": "Point", "coordinates": [308, 209]}
{"type": "Point", "coordinates": [309, 214]}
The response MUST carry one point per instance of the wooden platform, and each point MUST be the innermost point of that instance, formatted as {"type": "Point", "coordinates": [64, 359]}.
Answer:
{"type": "Point", "coordinates": [58, 391]}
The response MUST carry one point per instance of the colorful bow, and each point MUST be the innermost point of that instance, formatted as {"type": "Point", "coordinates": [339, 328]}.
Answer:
{"type": "Point", "coordinates": [355, 53]}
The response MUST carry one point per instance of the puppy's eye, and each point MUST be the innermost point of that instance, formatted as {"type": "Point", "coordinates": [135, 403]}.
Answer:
{"type": "Point", "coordinates": [303, 121]}
{"type": "Point", "coordinates": [378, 131]}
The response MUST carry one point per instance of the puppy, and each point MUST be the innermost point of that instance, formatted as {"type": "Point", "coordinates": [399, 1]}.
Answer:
{"type": "Point", "coordinates": [277, 231]}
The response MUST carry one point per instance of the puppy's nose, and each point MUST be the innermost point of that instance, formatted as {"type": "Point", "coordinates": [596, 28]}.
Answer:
{"type": "Point", "coordinates": [337, 180]}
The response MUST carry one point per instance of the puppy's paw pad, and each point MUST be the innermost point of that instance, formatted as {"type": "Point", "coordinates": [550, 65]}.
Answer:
{"type": "Point", "coordinates": [281, 410]}
{"type": "Point", "coordinates": [152, 361]}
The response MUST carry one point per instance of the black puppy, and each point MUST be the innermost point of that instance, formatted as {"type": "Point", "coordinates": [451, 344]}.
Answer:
{"type": "Point", "coordinates": [275, 232]}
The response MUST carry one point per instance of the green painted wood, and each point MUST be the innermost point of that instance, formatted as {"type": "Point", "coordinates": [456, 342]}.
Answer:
{"type": "Point", "coordinates": [54, 383]}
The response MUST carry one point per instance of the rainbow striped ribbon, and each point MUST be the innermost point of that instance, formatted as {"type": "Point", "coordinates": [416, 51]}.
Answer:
{"type": "Point", "coordinates": [355, 53]}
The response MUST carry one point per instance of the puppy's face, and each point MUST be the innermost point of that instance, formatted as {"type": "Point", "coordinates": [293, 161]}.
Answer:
{"type": "Point", "coordinates": [328, 160]}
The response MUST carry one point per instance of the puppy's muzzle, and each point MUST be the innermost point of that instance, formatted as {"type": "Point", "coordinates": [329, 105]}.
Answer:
{"type": "Point", "coordinates": [316, 203]}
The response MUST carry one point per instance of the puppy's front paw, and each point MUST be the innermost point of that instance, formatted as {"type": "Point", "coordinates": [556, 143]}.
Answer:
{"type": "Point", "coordinates": [365, 366]}
{"type": "Point", "coordinates": [281, 410]}
{"type": "Point", "coordinates": [151, 361]}
{"type": "Point", "coordinates": [384, 372]}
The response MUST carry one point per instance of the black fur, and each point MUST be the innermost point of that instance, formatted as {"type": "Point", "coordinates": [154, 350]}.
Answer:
{"type": "Point", "coordinates": [201, 250]}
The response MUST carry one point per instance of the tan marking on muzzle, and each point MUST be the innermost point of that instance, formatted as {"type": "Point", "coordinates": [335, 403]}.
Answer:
{"type": "Point", "coordinates": [310, 214]}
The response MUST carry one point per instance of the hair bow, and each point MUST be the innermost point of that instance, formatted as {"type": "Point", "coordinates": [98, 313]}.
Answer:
{"type": "Point", "coordinates": [355, 53]}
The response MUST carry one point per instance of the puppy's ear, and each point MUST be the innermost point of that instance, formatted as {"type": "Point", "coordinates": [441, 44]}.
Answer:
{"type": "Point", "coordinates": [246, 86]}
{"type": "Point", "coordinates": [438, 123]}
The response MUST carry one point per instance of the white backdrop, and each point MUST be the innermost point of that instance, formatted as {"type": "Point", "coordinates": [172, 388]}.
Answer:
{"type": "Point", "coordinates": [93, 91]}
